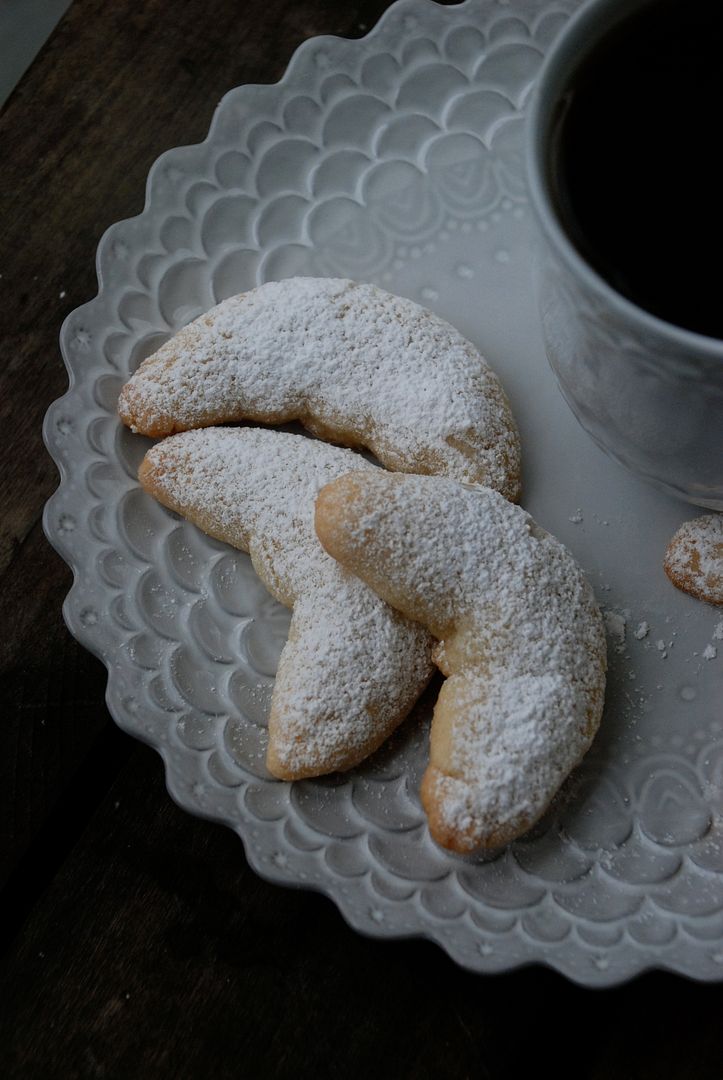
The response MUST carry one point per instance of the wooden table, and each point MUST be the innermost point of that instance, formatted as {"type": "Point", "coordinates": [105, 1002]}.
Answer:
{"type": "Point", "coordinates": [136, 940]}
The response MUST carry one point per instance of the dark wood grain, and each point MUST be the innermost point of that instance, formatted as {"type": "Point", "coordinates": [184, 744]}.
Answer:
{"type": "Point", "coordinates": [137, 942]}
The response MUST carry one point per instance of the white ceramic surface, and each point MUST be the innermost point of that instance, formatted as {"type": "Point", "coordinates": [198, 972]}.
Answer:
{"type": "Point", "coordinates": [395, 159]}
{"type": "Point", "coordinates": [623, 371]}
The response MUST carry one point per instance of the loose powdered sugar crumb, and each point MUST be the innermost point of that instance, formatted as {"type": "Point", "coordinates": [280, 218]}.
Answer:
{"type": "Point", "coordinates": [616, 625]}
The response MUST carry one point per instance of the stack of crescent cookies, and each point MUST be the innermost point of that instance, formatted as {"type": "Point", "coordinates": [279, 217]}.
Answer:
{"type": "Point", "coordinates": [388, 570]}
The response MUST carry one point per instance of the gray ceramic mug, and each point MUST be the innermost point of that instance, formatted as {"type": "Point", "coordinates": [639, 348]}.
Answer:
{"type": "Point", "coordinates": [648, 392]}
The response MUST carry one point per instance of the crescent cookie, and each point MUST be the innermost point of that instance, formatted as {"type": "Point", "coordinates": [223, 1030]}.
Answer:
{"type": "Point", "coordinates": [352, 667]}
{"type": "Point", "coordinates": [356, 365]}
{"type": "Point", "coordinates": [521, 641]}
{"type": "Point", "coordinates": [694, 558]}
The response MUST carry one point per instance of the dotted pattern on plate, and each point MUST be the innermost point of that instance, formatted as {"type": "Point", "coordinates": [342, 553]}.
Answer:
{"type": "Point", "coordinates": [366, 155]}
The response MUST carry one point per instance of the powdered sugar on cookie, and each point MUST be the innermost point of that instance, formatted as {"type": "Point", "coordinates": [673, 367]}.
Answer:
{"type": "Point", "coordinates": [694, 559]}
{"type": "Point", "coordinates": [520, 638]}
{"type": "Point", "coordinates": [352, 668]}
{"type": "Point", "coordinates": [356, 365]}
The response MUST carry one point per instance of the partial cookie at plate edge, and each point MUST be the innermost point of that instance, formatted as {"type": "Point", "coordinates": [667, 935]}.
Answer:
{"type": "Point", "coordinates": [694, 558]}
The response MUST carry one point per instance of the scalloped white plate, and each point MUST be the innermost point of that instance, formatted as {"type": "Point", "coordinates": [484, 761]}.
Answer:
{"type": "Point", "coordinates": [394, 159]}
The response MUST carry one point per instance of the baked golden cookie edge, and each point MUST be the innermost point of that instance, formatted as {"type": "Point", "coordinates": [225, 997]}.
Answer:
{"type": "Point", "coordinates": [524, 694]}
{"type": "Point", "coordinates": [354, 364]}
{"type": "Point", "coordinates": [694, 558]}
{"type": "Point", "coordinates": [352, 668]}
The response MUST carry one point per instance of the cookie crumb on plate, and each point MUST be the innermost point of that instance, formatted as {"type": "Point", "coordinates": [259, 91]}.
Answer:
{"type": "Point", "coordinates": [694, 559]}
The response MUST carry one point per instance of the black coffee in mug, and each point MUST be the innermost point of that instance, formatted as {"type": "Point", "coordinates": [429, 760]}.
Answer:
{"type": "Point", "coordinates": [636, 162]}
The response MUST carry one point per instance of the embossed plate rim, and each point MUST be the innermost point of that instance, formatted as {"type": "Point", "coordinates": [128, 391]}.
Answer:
{"type": "Point", "coordinates": [184, 767]}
